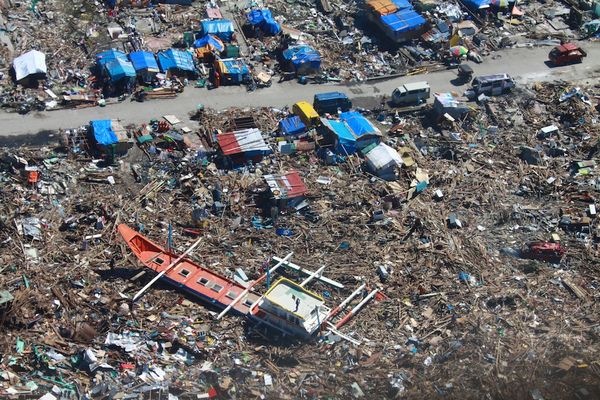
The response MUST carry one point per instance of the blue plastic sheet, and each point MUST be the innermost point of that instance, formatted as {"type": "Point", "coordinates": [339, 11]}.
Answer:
{"type": "Point", "coordinates": [264, 20]}
{"type": "Point", "coordinates": [478, 3]}
{"type": "Point", "coordinates": [403, 20]}
{"type": "Point", "coordinates": [304, 58]}
{"type": "Point", "coordinates": [209, 40]}
{"type": "Point", "coordinates": [176, 59]}
{"type": "Point", "coordinates": [292, 126]}
{"type": "Point", "coordinates": [103, 132]}
{"type": "Point", "coordinates": [223, 28]}
{"type": "Point", "coordinates": [143, 60]}
{"type": "Point", "coordinates": [358, 124]}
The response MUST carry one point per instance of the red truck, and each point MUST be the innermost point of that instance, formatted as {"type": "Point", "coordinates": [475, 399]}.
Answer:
{"type": "Point", "coordinates": [566, 54]}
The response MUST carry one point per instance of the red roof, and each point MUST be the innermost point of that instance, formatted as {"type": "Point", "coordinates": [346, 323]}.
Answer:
{"type": "Point", "coordinates": [288, 186]}
{"type": "Point", "coordinates": [246, 140]}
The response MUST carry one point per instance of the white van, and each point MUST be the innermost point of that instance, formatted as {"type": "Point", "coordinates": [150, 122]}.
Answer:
{"type": "Point", "coordinates": [490, 85]}
{"type": "Point", "coordinates": [411, 93]}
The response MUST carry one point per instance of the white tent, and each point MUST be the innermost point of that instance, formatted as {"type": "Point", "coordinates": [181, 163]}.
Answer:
{"type": "Point", "coordinates": [32, 62]}
{"type": "Point", "coordinates": [383, 160]}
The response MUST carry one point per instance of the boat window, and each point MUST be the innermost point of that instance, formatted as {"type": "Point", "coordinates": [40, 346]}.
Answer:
{"type": "Point", "coordinates": [203, 281]}
{"type": "Point", "coordinates": [184, 272]}
{"type": "Point", "coordinates": [217, 288]}
{"type": "Point", "coordinates": [232, 295]}
{"type": "Point", "coordinates": [248, 303]}
{"type": "Point", "coordinates": [159, 261]}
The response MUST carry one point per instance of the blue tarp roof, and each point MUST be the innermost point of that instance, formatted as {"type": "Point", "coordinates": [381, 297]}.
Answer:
{"type": "Point", "coordinates": [118, 69]}
{"type": "Point", "coordinates": [478, 3]}
{"type": "Point", "coordinates": [264, 20]}
{"type": "Point", "coordinates": [402, 4]}
{"type": "Point", "coordinates": [222, 28]}
{"type": "Point", "coordinates": [209, 40]}
{"type": "Point", "coordinates": [234, 67]}
{"type": "Point", "coordinates": [303, 57]}
{"type": "Point", "coordinates": [358, 124]}
{"type": "Point", "coordinates": [103, 132]}
{"type": "Point", "coordinates": [403, 20]}
{"type": "Point", "coordinates": [110, 55]}
{"type": "Point", "coordinates": [143, 60]}
{"type": "Point", "coordinates": [176, 59]}
{"type": "Point", "coordinates": [346, 141]}
{"type": "Point", "coordinates": [292, 125]}
{"type": "Point", "coordinates": [330, 96]}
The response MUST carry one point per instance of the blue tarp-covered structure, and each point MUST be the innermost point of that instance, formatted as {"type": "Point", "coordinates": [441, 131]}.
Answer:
{"type": "Point", "coordinates": [115, 65]}
{"type": "Point", "coordinates": [402, 4]}
{"type": "Point", "coordinates": [176, 60]}
{"type": "Point", "coordinates": [233, 71]}
{"type": "Point", "coordinates": [292, 126]}
{"type": "Point", "coordinates": [263, 19]}
{"type": "Point", "coordinates": [144, 61]}
{"type": "Point", "coordinates": [478, 4]}
{"type": "Point", "coordinates": [303, 59]}
{"type": "Point", "coordinates": [359, 125]}
{"type": "Point", "coordinates": [344, 140]}
{"type": "Point", "coordinates": [210, 41]}
{"type": "Point", "coordinates": [403, 21]}
{"type": "Point", "coordinates": [222, 28]}
{"type": "Point", "coordinates": [103, 133]}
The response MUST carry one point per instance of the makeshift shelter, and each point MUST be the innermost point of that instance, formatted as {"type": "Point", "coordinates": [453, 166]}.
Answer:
{"type": "Point", "coordinates": [222, 28]}
{"type": "Point", "coordinates": [206, 46]}
{"type": "Point", "coordinates": [145, 65]}
{"type": "Point", "coordinates": [286, 190]}
{"type": "Point", "coordinates": [292, 126]}
{"type": "Point", "coordinates": [341, 139]}
{"type": "Point", "coordinates": [382, 160]}
{"type": "Point", "coordinates": [232, 71]}
{"type": "Point", "coordinates": [238, 147]}
{"type": "Point", "coordinates": [29, 67]}
{"type": "Point", "coordinates": [302, 59]}
{"type": "Point", "coordinates": [116, 70]}
{"type": "Point", "coordinates": [263, 20]}
{"type": "Point", "coordinates": [359, 125]}
{"type": "Point", "coordinates": [176, 61]}
{"type": "Point", "coordinates": [110, 136]}
{"type": "Point", "coordinates": [402, 25]}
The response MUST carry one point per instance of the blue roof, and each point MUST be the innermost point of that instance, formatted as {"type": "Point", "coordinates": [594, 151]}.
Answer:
{"type": "Point", "coordinates": [292, 125]}
{"type": "Point", "coordinates": [222, 28]}
{"type": "Point", "coordinates": [143, 60]}
{"type": "Point", "coordinates": [235, 67]}
{"type": "Point", "coordinates": [103, 132]}
{"type": "Point", "coordinates": [402, 4]}
{"type": "Point", "coordinates": [403, 20]}
{"type": "Point", "coordinates": [264, 20]}
{"type": "Point", "coordinates": [478, 3]}
{"type": "Point", "coordinates": [176, 59]}
{"type": "Point", "coordinates": [358, 124]}
{"type": "Point", "coordinates": [110, 55]}
{"type": "Point", "coordinates": [209, 40]}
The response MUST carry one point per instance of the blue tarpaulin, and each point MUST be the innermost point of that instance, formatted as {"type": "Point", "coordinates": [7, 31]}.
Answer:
{"type": "Point", "coordinates": [476, 4]}
{"type": "Point", "coordinates": [403, 21]}
{"type": "Point", "coordinates": [110, 55]}
{"type": "Point", "coordinates": [264, 20]}
{"type": "Point", "coordinates": [346, 141]}
{"type": "Point", "coordinates": [358, 124]}
{"type": "Point", "coordinates": [143, 61]}
{"type": "Point", "coordinates": [103, 132]}
{"type": "Point", "coordinates": [292, 126]}
{"type": "Point", "coordinates": [118, 69]}
{"type": "Point", "coordinates": [304, 59]}
{"type": "Point", "coordinates": [402, 4]}
{"type": "Point", "coordinates": [233, 70]}
{"type": "Point", "coordinates": [176, 59]}
{"type": "Point", "coordinates": [211, 41]}
{"type": "Point", "coordinates": [222, 28]}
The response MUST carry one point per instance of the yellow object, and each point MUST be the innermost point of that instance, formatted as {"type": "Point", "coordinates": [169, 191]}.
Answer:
{"type": "Point", "coordinates": [306, 112]}
{"type": "Point", "coordinates": [382, 7]}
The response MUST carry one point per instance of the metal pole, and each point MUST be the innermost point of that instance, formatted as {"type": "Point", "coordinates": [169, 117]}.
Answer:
{"type": "Point", "coordinates": [344, 303]}
{"type": "Point", "coordinates": [352, 312]}
{"type": "Point", "coordinates": [245, 291]}
{"type": "Point", "coordinates": [164, 271]}
{"type": "Point", "coordinates": [312, 276]}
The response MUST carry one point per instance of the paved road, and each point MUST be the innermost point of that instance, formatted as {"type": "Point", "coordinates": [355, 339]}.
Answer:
{"type": "Point", "coordinates": [525, 64]}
